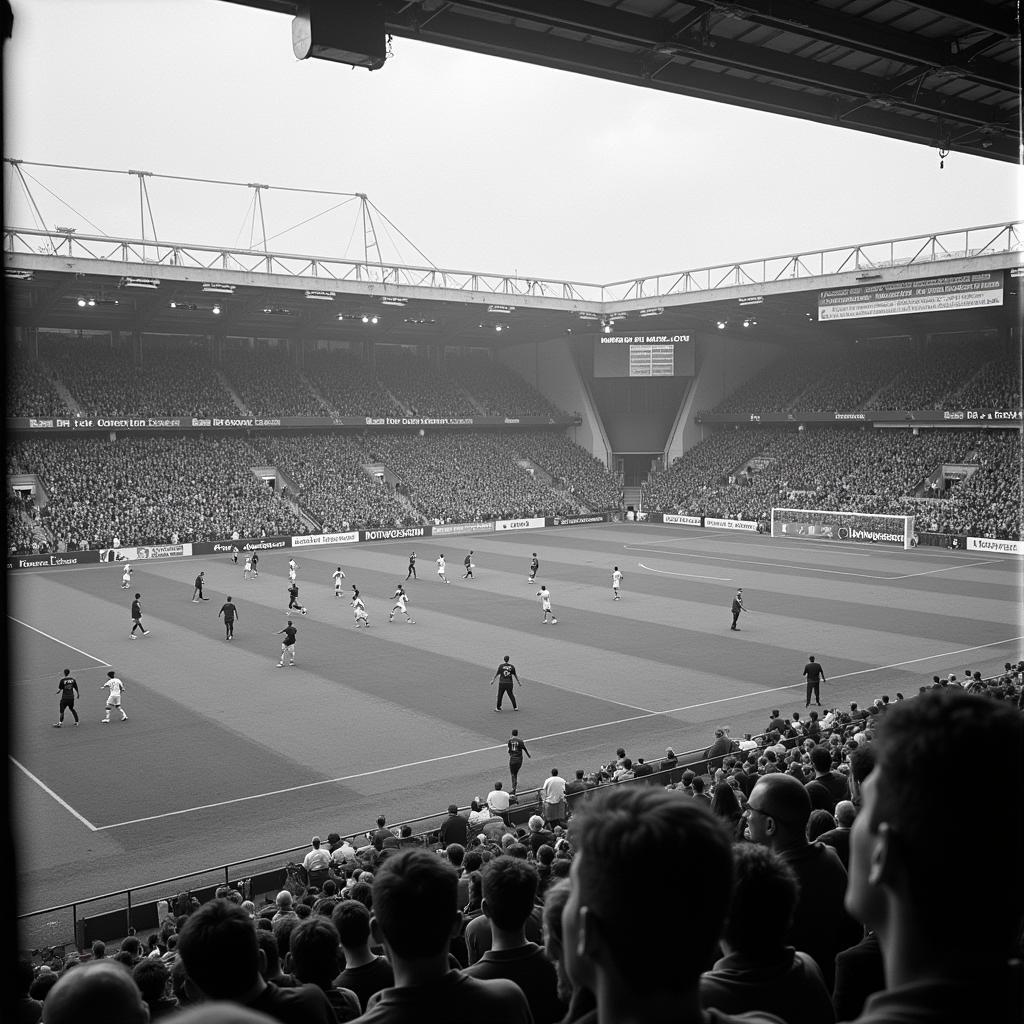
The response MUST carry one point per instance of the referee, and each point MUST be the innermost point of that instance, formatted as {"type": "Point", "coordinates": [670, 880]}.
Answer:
{"type": "Point", "coordinates": [815, 676]}
{"type": "Point", "coordinates": [506, 676]}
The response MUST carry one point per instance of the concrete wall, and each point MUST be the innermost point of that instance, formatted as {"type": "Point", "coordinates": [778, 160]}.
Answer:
{"type": "Point", "coordinates": [550, 368]}
{"type": "Point", "coordinates": [724, 362]}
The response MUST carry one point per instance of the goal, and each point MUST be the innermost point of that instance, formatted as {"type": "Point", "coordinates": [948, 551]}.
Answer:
{"type": "Point", "coordinates": [860, 527]}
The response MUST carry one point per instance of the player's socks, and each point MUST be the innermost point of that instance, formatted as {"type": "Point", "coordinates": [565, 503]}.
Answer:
{"type": "Point", "coordinates": [124, 717]}
{"type": "Point", "coordinates": [105, 721]}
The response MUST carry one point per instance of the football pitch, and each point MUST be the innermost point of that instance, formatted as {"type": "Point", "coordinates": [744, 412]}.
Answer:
{"type": "Point", "coordinates": [225, 756]}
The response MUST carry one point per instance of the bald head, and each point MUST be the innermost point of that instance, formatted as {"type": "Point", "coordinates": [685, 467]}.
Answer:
{"type": "Point", "coordinates": [785, 799]}
{"type": "Point", "coordinates": [101, 990]}
{"type": "Point", "coordinates": [845, 813]}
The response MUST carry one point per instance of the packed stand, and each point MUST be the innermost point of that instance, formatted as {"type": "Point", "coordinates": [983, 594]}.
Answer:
{"type": "Point", "coordinates": [777, 387]}
{"type": "Point", "coordinates": [270, 385]}
{"type": "Point", "coordinates": [575, 470]}
{"type": "Point", "coordinates": [822, 850]}
{"type": "Point", "coordinates": [462, 477]}
{"type": "Point", "coordinates": [21, 521]}
{"type": "Point", "coordinates": [347, 385]}
{"type": "Point", "coordinates": [936, 372]}
{"type": "Point", "coordinates": [420, 388]}
{"type": "Point", "coordinates": [334, 488]}
{"type": "Point", "coordinates": [852, 379]}
{"type": "Point", "coordinates": [496, 388]}
{"type": "Point", "coordinates": [30, 390]}
{"type": "Point", "coordinates": [151, 491]}
{"type": "Point", "coordinates": [996, 386]}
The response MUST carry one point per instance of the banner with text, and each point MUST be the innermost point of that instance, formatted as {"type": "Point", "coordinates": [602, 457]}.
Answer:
{"type": "Point", "coordinates": [905, 417]}
{"type": "Point", "coordinates": [1002, 547]}
{"type": "Point", "coordinates": [519, 524]}
{"type": "Point", "coordinates": [395, 533]}
{"type": "Point", "coordinates": [895, 298]}
{"type": "Point", "coordinates": [132, 554]}
{"type": "Point", "coordinates": [730, 524]}
{"type": "Point", "coordinates": [315, 539]}
{"type": "Point", "coordinates": [457, 529]}
{"type": "Point", "coordinates": [61, 559]}
{"type": "Point", "coordinates": [575, 520]}
{"type": "Point", "coordinates": [671, 517]}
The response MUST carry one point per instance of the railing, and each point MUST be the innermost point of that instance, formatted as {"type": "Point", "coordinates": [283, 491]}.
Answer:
{"type": "Point", "coordinates": [960, 243]}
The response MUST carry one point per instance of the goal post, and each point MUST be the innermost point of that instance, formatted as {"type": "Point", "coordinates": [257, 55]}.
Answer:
{"type": "Point", "coordinates": [828, 524]}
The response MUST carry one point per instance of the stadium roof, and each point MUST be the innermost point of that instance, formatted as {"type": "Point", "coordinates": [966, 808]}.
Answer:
{"type": "Point", "coordinates": [941, 73]}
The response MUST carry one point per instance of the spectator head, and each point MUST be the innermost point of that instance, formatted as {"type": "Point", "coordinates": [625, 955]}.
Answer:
{"type": "Point", "coordinates": [414, 905]}
{"type": "Point", "coordinates": [100, 991]}
{"type": "Point", "coordinates": [907, 833]}
{"type": "Point", "coordinates": [777, 811]}
{"type": "Point", "coordinates": [861, 761]}
{"type": "Point", "coordinates": [41, 985]}
{"type": "Point", "coordinates": [821, 759]}
{"type": "Point", "coordinates": [270, 961]}
{"type": "Point", "coordinates": [99, 950]}
{"type": "Point", "coordinates": [698, 785]}
{"type": "Point", "coordinates": [453, 808]}
{"type": "Point", "coordinates": [284, 901]}
{"type": "Point", "coordinates": [724, 802]}
{"type": "Point", "coordinates": [455, 852]}
{"type": "Point", "coordinates": [352, 921]}
{"type": "Point", "coordinates": [764, 897]}
{"type": "Point", "coordinates": [132, 946]}
{"type": "Point", "coordinates": [315, 842]}
{"type": "Point", "coordinates": [845, 813]}
{"type": "Point", "coordinates": [819, 823]}
{"type": "Point", "coordinates": [497, 785]}
{"type": "Point", "coordinates": [675, 841]}
{"type": "Point", "coordinates": [219, 950]}
{"type": "Point", "coordinates": [151, 976]}
{"type": "Point", "coordinates": [381, 821]}
{"type": "Point", "coordinates": [314, 952]}
{"type": "Point", "coordinates": [579, 774]}
{"type": "Point", "coordinates": [362, 892]}
{"type": "Point", "coordinates": [555, 900]}
{"type": "Point", "coordinates": [536, 823]}
{"type": "Point", "coordinates": [509, 889]}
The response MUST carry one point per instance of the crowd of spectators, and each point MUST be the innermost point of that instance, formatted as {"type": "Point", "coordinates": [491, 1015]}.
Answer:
{"type": "Point", "coordinates": [800, 876]}
{"type": "Point", "coordinates": [269, 384]}
{"type": "Point", "coordinates": [932, 377]}
{"type": "Point", "coordinates": [30, 389]}
{"type": "Point", "coordinates": [419, 387]}
{"type": "Point", "coordinates": [573, 469]}
{"type": "Point", "coordinates": [497, 389]}
{"type": "Point", "coordinates": [852, 470]}
{"type": "Point", "coordinates": [159, 490]}
{"type": "Point", "coordinates": [997, 385]}
{"type": "Point", "coordinates": [348, 386]}
{"type": "Point", "coordinates": [778, 385]}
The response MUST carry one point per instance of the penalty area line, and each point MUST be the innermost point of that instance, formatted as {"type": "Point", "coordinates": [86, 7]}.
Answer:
{"type": "Point", "coordinates": [689, 575]}
{"type": "Point", "coordinates": [499, 746]}
{"type": "Point", "coordinates": [71, 647]}
{"type": "Point", "coordinates": [49, 792]}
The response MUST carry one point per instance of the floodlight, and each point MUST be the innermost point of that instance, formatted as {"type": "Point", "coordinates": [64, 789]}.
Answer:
{"type": "Point", "coordinates": [140, 282]}
{"type": "Point", "coordinates": [216, 310]}
{"type": "Point", "coordinates": [81, 302]}
{"type": "Point", "coordinates": [219, 289]}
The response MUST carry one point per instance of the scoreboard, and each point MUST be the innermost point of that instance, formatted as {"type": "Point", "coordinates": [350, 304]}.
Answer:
{"type": "Point", "coordinates": [643, 355]}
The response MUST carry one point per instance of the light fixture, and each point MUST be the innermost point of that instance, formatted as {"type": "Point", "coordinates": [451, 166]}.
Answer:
{"type": "Point", "coordinates": [64, 230]}
{"type": "Point", "coordinates": [320, 296]}
{"type": "Point", "coordinates": [418, 321]}
{"type": "Point", "coordinates": [499, 327]}
{"type": "Point", "coordinates": [216, 309]}
{"type": "Point", "coordinates": [749, 323]}
{"type": "Point", "coordinates": [17, 274]}
{"type": "Point", "coordinates": [140, 282]}
{"type": "Point", "coordinates": [366, 319]}
{"type": "Point", "coordinates": [81, 302]}
{"type": "Point", "coordinates": [501, 309]}
{"type": "Point", "coordinates": [92, 301]}
{"type": "Point", "coordinates": [392, 300]}
{"type": "Point", "coordinates": [373, 319]}
{"type": "Point", "coordinates": [721, 324]}
{"type": "Point", "coordinates": [653, 311]}
{"type": "Point", "coordinates": [607, 328]}
{"type": "Point", "coordinates": [219, 289]}
{"type": "Point", "coordinates": [173, 304]}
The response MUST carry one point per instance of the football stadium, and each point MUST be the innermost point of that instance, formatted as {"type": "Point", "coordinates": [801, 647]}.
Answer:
{"type": "Point", "coordinates": [655, 619]}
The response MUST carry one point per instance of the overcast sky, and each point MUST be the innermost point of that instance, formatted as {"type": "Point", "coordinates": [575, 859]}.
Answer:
{"type": "Point", "coordinates": [483, 163]}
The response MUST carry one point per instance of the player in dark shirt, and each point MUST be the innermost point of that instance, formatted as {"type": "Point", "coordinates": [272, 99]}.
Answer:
{"type": "Point", "coordinates": [815, 676]}
{"type": "Point", "coordinates": [288, 644]}
{"type": "Point", "coordinates": [468, 563]}
{"type": "Point", "coordinates": [507, 675]}
{"type": "Point", "coordinates": [234, 554]}
{"type": "Point", "coordinates": [412, 567]}
{"type": "Point", "coordinates": [67, 687]}
{"type": "Point", "coordinates": [230, 613]}
{"type": "Point", "coordinates": [534, 566]}
{"type": "Point", "coordinates": [737, 607]}
{"type": "Point", "coordinates": [255, 563]}
{"type": "Point", "coordinates": [137, 617]}
{"type": "Point", "coordinates": [293, 599]}
{"type": "Point", "coordinates": [199, 584]}
{"type": "Point", "coordinates": [516, 749]}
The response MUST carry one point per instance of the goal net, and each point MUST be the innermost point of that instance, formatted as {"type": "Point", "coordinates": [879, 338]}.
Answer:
{"type": "Point", "coordinates": [860, 527]}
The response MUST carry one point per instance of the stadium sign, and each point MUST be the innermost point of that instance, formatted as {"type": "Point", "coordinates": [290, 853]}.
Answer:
{"type": "Point", "coordinates": [855, 533]}
{"type": "Point", "coordinates": [520, 524]}
{"type": "Point", "coordinates": [453, 529]}
{"type": "Point", "coordinates": [576, 520]}
{"type": "Point", "coordinates": [1006, 547]}
{"type": "Point", "coordinates": [145, 551]}
{"type": "Point", "coordinates": [896, 298]}
{"type": "Point", "coordinates": [396, 534]}
{"type": "Point", "coordinates": [309, 540]}
{"type": "Point", "coordinates": [263, 544]}
{"type": "Point", "coordinates": [904, 417]}
{"type": "Point", "coordinates": [670, 517]}
{"type": "Point", "coordinates": [62, 559]}
{"type": "Point", "coordinates": [733, 524]}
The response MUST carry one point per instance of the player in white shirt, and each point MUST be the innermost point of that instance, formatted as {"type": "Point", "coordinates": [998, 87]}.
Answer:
{"type": "Point", "coordinates": [545, 603]}
{"type": "Point", "coordinates": [247, 571]}
{"type": "Point", "coordinates": [116, 688]}
{"type": "Point", "coordinates": [616, 583]}
{"type": "Point", "coordinates": [337, 576]}
{"type": "Point", "coordinates": [359, 610]}
{"type": "Point", "coordinates": [441, 569]}
{"type": "Point", "coordinates": [292, 567]}
{"type": "Point", "coordinates": [401, 603]}
{"type": "Point", "coordinates": [126, 576]}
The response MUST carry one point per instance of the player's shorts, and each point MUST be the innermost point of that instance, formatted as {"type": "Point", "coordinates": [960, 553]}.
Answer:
{"type": "Point", "coordinates": [67, 702]}
{"type": "Point", "coordinates": [114, 701]}
{"type": "Point", "coordinates": [546, 606]}
{"type": "Point", "coordinates": [361, 615]}
{"type": "Point", "coordinates": [287, 647]}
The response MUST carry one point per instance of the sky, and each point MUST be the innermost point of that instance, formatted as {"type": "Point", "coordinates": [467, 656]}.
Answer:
{"type": "Point", "coordinates": [482, 163]}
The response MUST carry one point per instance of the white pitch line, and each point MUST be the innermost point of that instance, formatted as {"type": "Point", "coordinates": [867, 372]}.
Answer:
{"type": "Point", "coordinates": [535, 739]}
{"type": "Point", "coordinates": [105, 664]}
{"type": "Point", "coordinates": [46, 789]}
{"type": "Point", "coordinates": [949, 568]}
{"type": "Point", "coordinates": [693, 576]}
